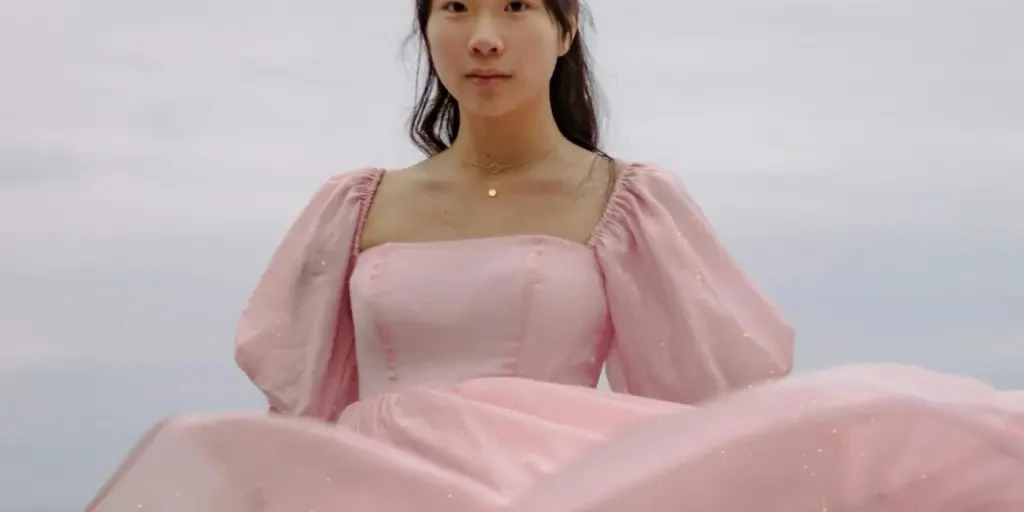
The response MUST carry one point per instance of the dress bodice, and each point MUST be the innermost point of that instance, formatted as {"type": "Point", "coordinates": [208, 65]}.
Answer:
{"type": "Point", "coordinates": [653, 296]}
{"type": "Point", "coordinates": [440, 313]}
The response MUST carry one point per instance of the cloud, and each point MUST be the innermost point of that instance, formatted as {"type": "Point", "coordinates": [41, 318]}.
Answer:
{"type": "Point", "coordinates": [861, 159]}
{"type": "Point", "coordinates": [171, 152]}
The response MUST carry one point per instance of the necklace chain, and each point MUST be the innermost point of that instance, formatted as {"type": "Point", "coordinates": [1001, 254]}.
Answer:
{"type": "Point", "coordinates": [498, 168]}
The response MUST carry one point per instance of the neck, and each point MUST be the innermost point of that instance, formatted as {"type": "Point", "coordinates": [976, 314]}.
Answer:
{"type": "Point", "coordinates": [517, 138]}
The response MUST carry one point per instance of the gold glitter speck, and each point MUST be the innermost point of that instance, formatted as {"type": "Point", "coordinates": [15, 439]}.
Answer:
{"type": "Point", "coordinates": [492, 192]}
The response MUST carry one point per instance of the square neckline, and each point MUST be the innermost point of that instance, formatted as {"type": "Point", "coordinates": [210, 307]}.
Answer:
{"type": "Point", "coordinates": [599, 227]}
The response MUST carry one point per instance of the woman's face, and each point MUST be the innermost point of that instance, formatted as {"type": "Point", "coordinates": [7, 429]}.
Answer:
{"type": "Point", "coordinates": [494, 55]}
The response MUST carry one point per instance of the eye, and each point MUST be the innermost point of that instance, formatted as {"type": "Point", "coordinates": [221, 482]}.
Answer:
{"type": "Point", "coordinates": [517, 7]}
{"type": "Point", "coordinates": [454, 7]}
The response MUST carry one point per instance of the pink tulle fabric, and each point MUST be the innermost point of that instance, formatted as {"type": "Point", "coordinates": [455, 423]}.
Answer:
{"type": "Point", "coordinates": [460, 375]}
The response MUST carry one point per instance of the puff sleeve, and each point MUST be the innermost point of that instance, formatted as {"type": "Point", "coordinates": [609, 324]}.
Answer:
{"type": "Point", "coordinates": [295, 337]}
{"type": "Point", "coordinates": [689, 324]}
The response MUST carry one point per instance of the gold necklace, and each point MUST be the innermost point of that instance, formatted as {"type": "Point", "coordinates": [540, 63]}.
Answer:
{"type": "Point", "coordinates": [497, 168]}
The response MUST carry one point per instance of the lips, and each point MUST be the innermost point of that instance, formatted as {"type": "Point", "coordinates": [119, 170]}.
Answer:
{"type": "Point", "coordinates": [487, 81]}
{"type": "Point", "coordinates": [486, 74]}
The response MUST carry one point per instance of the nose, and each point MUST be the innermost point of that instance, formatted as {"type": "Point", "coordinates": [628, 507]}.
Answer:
{"type": "Point", "coordinates": [485, 40]}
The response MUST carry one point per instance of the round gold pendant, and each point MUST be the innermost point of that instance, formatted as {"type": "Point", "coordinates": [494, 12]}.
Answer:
{"type": "Point", "coordinates": [492, 192]}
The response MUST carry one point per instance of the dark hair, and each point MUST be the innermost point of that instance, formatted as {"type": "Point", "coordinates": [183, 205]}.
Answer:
{"type": "Point", "coordinates": [435, 119]}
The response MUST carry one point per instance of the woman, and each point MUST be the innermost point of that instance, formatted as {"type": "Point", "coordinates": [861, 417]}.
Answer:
{"type": "Point", "coordinates": [429, 338]}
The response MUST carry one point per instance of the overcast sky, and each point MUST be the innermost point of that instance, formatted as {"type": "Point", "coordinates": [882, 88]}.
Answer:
{"type": "Point", "coordinates": [863, 159]}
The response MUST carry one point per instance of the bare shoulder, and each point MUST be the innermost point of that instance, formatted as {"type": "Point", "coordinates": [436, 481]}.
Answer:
{"type": "Point", "coordinates": [389, 204]}
{"type": "Point", "coordinates": [605, 173]}
{"type": "Point", "coordinates": [395, 182]}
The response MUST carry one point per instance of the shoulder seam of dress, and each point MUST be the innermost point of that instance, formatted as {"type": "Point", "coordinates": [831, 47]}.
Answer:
{"type": "Point", "coordinates": [618, 202]}
{"type": "Point", "coordinates": [364, 185]}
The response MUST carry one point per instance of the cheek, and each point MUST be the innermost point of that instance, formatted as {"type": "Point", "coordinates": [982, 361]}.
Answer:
{"type": "Point", "coordinates": [541, 53]}
{"type": "Point", "coordinates": [445, 50]}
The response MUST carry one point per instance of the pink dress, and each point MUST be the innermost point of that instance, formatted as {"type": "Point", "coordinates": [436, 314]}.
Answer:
{"type": "Point", "coordinates": [459, 376]}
